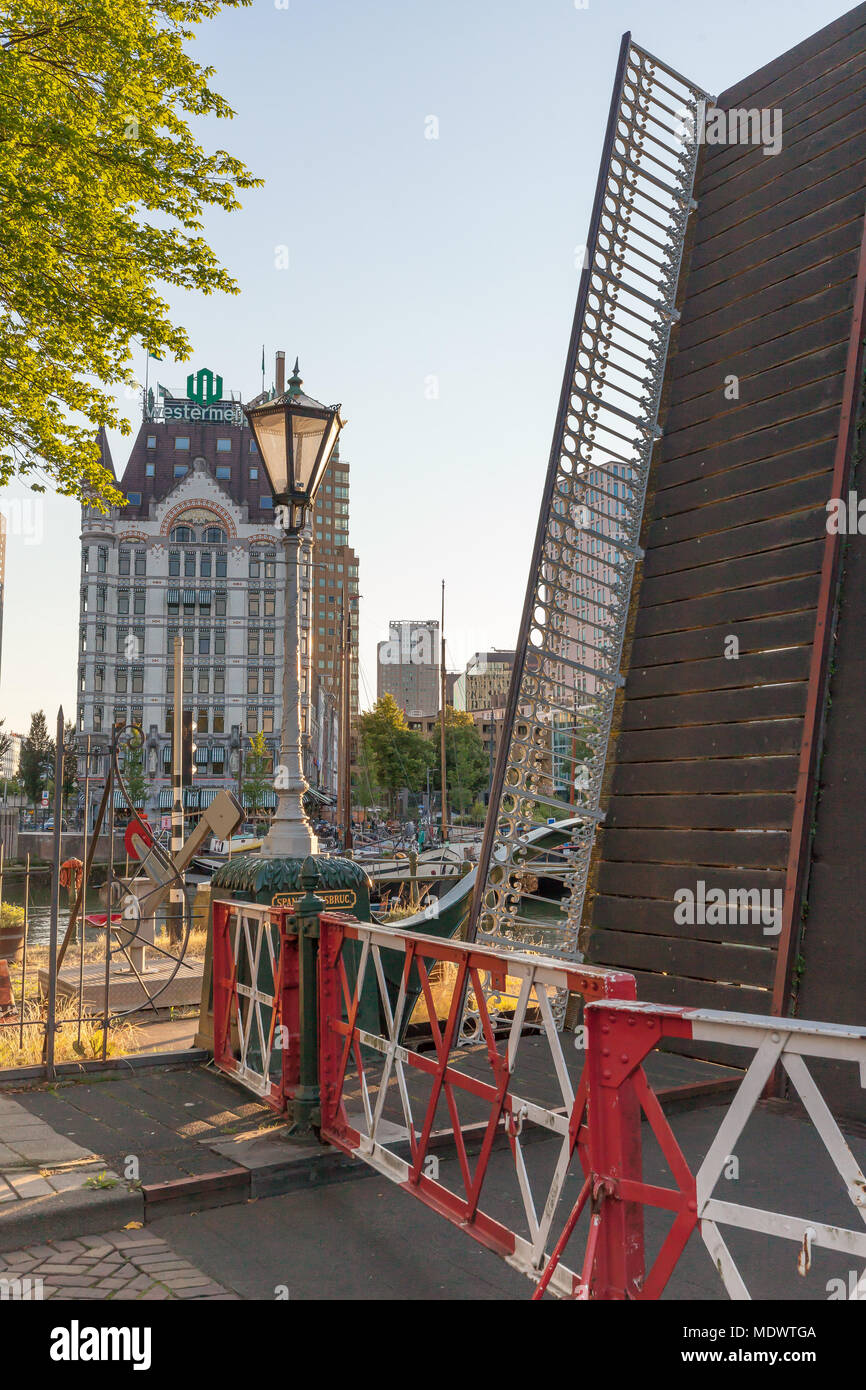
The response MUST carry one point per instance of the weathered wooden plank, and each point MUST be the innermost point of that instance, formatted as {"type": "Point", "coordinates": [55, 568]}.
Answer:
{"type": "Point", "coordinates": [748, 672]}
{"type": "Point", "coordinates": [652, 882]}
{"type": "Point", "coordinates": [762, 364]}
{"type": "Point", "coordinates": [698, 960]}
{"type": "Point", "coordinates": [797, 273]}
{"type": "Point", "coordinates": [703, 643]}
{"type": "Point", "coordinates": [738, 542]}
{"type": "Point", "coordinates": [821, 389]}
{"type": "Point", "coordinates": [770, 812]}
{"type": "Point", "coordinates": [743, 848]}
{"type": "Point", "coordinates": [784, 562]}
{"type": "Point", "coordinates": [735, 605]}
{"type": "Point", "coordinates": [708, 741]}
{"type": "Point", "coordinates": [702, 775]}
{"type": "Point", "coordinates": [716, 707]}
{"type": "Point", "coordinates": [835, 147]}
{"type": "Point", "coordinates": [655, 916]}
{"type": "Point", "coordinates": [810, 242]}
{"type": "Point", "coordinates": [680, 524]}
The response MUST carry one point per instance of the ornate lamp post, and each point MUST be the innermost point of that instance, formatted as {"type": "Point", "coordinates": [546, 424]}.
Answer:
{"type": "Point", "coordinates": [296, 437]}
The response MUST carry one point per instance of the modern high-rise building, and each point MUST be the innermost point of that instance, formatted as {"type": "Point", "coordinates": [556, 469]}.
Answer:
{"type": "Point", "coordinates": [484, 683]}
{"type": "Point", "coordinates": [407, 666]}
{"type": "Point", "coordinates": [196, 552]}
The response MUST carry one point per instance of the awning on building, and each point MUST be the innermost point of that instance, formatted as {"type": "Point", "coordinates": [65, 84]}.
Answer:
{"type": "Point", "coordinates": [202, 755]}
{"type": "Point", "coordinates": [204, 596]}
{"type": "Point", "coordinates": [120, 802]}
{"type": "Point", "coordinates": [173, 596]}
{"type": "Point", "coordinates": [191, 797]}
{"type": "Point", "coordinates": [324, 797]}
{"type": "Point", "coordinates": [206, 796]}
{"type": "Point", "coordinates": [189, 595]}
{"type": "Point", "coordinates": [269, 800]}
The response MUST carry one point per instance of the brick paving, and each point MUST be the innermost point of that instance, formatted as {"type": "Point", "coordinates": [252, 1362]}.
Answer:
{"type": "Point", "coordinates": [126, 1265]}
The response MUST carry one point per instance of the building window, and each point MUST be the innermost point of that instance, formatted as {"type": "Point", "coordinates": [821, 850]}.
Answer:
{"type": "Point", "coordinates": [187, 682]}
{"type": "Point", "coordinates": [219, 683]}
{"type": "Point", "coordinates": [151, 441]}
{"type": "Point", "coordinates": [219, 643]}
{"type": "Point", "coordinates": [254, 473]}
{"type": "Point", "coordinates": [181, 441]}
{"type": "Point", "coordinates": [270, 568]}
{"type": "Point", "coordinates": [180, 469]}
{"type": "Point", "coordinates": [189, 564]}
{"type": "Point", "coordinates": [268, 683]}
{"type": "Point", "coordinates": [270, 604]}
{"type": "Point", "coordinates": [120, 682]}
{"type": "Point", "coordinates": [141, 561]}
{"type": "Point", "coordinates": [137, 680]}
{"type": "Point", "coordinates": [220, 605]}
{"type": "Point", "coordinates": [97, 719]}
{"type": "Point", "coordinates": [203, 682]}
{"type": "Point", "coordinates": [224, 446]}
{"type": "Point", "coordinates": [268, 648]}
{"type": "Point", "coordinates": [219, 718]}
{"type": "Point", "coordinates": [253, 447]}
{"type": "Point", "coordinates": [182, 535]}
{"type": "Point", "coordinates": [204, 644]}
{"type": "Point", "coordinates": [214, 535]}
{"type": "Point", "coordinates": [252, 682]}
{"type": "Point", "coordinates": [255, 568]}
{"type": "Point", "coordinates": [254, 605]}
{"type": "Point", "coordinates": [174, 563]}
{"type": "Point", "coordinates": [100, 639]}
{"type": "Point", "coordinates": [266, 501]}
{"type": "Point", "coordinates": [138, 601]}
{"type": "Point", "coordinates": [267, 721]}
{"type": "Point", "coordinates": [252, 721]}
{"type": "Point", "coordinates": [99, 678]}
{"type": "Point", "coordinates": [223, 472]}
{"type": "Point", "coordinates": [204, 564]}
{"type": "Point", "coordinates": [252, 642]}
{"type": "Point", "coordinates": [134, 499]}
{"type": "Point", "coordinates": [102, 559]}
{"type": "Point", "coordinates": [150, 470]}
{"type": "Point", "coordinates": [202, 722]}
{"type": "Point", "coordinates": [221, 564]}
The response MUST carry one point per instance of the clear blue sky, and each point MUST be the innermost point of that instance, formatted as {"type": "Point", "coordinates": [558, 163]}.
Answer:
{"type": "Point", "coordinates": [410, 258]}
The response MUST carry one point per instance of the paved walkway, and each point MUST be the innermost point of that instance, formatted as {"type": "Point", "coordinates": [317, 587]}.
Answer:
{"type": "Point", "coordinates": [123, 1265]}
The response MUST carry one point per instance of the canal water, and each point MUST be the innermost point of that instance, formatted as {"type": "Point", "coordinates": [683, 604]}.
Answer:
{"type": "Point", "coordinates": [39, 931]}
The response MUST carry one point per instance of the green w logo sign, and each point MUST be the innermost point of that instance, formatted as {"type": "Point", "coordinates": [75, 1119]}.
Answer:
{"type": "Point", "coordinates": [203, 387]}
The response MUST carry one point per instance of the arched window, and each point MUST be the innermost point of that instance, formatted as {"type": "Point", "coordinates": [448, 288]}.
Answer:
{"type": "Point", "coordinates": [182, 534]}
{"type": "Point", "coordinates": [214, 535]}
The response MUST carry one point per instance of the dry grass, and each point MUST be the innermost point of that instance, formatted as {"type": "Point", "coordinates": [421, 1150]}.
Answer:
{"type": "Point", "coordinates": [442, 982]}
{"type": "Point", "coordinates": [71, 1043]}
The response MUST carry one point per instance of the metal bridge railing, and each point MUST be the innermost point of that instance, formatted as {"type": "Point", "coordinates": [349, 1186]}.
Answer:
{"type": "Point", "coordinates": [567, 667]}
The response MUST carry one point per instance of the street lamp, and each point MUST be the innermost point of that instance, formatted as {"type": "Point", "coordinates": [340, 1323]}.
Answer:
{"type": "Point", "coordinates": [296, 437]}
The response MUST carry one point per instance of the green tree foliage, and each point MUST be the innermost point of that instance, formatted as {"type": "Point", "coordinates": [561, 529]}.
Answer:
{"type": "Point", "coordinates": [466, 761]}
{"type": "Point", "coordinates": [395, 755]}
{"type": "Point", "coordinates": [257, 774]}
{"type": "Point", "coordinates": [102, 190]}
{"type": "Point", "coordinates": [37, 758]}
{"type": "Point", "coordinates": [5, 740]}
{"type": "Point", "coordinates": [132, 769]}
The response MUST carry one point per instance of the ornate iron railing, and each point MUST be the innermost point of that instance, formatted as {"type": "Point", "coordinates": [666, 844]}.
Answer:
{"type": "Point", "coordinates": [569, 650]}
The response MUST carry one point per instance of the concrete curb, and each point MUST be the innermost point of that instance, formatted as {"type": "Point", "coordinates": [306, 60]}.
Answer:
{"type": "Point", "coordinates": [68, 1215]}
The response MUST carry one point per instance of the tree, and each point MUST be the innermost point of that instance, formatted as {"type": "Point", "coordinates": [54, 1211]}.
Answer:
{"type": "Point", "coordinates": [395, 755]}
{"type": "Point", "coordinates": [5, 740]}
{"type": "Point", "coordinates": [102, 186]}
{"type": "Point", "coordinates": [37, 758]}
{"type": "Point", "coordinates": [132, 769]}
{"type": "Point", "coordinates": [466, 762]}
{"type": "Point", "coordinates": [258, 780]}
